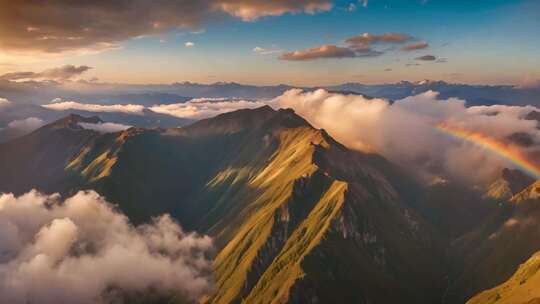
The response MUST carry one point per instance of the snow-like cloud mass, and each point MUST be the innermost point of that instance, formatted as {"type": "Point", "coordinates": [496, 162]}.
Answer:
{"type": "Point", "coordinates": [60, 105]}
{"type": "Point", "coordinates": [404, 131]}
{"type": "Point", "coordinates": [104, 127]}
{"type": "Point", "coordinates": [27, 124]}
{"type": "Point", "coordinates": [200, 108]}
{"type": "Point", "coordinates": [81, 250]}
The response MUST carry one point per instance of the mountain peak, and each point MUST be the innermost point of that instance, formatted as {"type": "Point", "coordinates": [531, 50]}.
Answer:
{"type": "Point", "coordinates": [246, 119]}
{"type": "Point", "coordinates": [510, 182]}
{"type": "Point", "coordinates": [72, 120]}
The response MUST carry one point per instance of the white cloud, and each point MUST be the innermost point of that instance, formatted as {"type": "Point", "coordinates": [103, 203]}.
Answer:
{"type": "Point", "coordinates": [266, 51]}
{"type": "Point", "coordinates": [189, 44]}
{"type": "Point", "coordinates": [83, 251]}
{"type": "Point", "coordinates": [104, 127]}
{"type": "Point", "coordinates": [200, 108]}
{"type": "Point", "coordinates": [405, 130]}
{"type": "Point", "coordinates": [60, 105]}
{"type": "Point", "coordinates": [27, 124]}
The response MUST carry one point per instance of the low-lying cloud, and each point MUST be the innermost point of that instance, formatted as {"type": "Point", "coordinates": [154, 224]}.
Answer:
{"type": "Point", "coordinates": [404, 131]}
{"type": "Point", "coordinates": [104, 127]}
{"type": "Point", "coordinates": [82, 250]}
{"type": "Point", "coordinates": [60, 105]}
{"type": "Point", "coordinates": [200, 108]}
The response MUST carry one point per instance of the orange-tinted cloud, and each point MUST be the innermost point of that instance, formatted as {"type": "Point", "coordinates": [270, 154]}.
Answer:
{"type": "Point", "coordinates": [415, 46]}
{"type": "Point", "coordinates": [323, 51]}
{"type": "Point", "coordinates": [64, 25]}
{"type": "Point", "coordinates": [249, 10]}
{"type": "Point", "coordinates": [367, 38]}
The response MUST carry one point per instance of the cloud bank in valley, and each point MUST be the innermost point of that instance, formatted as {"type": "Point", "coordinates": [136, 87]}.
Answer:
{"type": "Point", "coordinates": [405, 132]}
{"type": "Point", "coordinates": [60, 105]}
{"type": "Point", "coordinates": [89, 253]}
{"type": "Point", "coordinates": [200, 108]}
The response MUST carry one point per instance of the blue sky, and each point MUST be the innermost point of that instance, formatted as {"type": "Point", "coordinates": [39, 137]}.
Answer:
{"type": "Point", "coordinates": [480, 41]}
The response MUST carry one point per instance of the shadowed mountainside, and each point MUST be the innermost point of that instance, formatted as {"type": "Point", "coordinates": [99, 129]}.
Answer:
{"type": "Point", "coordinates": [296, 216]}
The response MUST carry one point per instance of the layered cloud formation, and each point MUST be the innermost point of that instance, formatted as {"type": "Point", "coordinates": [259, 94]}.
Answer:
{"type": "Point", "coordinates": [405, 131]}
{"type": "Point", "coordinates": [60, 105]}
{"type": "Point", "coordinates": [59, 26]}
{"type": "Point", "coordinates": [89, 253]}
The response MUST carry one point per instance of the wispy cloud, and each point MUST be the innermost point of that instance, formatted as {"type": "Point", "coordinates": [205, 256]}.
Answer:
{"type": "Point", "coordinates": [323, 51]}
{"type": "Point", "coordinates": [368, 39]}
{"type": "Point", "coordinates": [61, 73]}
{"type": "Point", "coordinates": [426, 58]}
{"type": "Point", "coordinates": [104, 127]}
{"type": "Point", "coordinates": [266, 51]}
{"type": "Point", "coordinates": [415, 46]}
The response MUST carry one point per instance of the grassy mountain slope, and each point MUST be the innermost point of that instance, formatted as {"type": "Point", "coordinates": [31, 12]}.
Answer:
{"type": "Point", "coordinates": [39, 159]}
{"type": "Point", "coordinates": [296, 216]}
{"type": "Point", "coordinates": [522, 288]}
{"type": "Point", "coordinates": [490, 254]}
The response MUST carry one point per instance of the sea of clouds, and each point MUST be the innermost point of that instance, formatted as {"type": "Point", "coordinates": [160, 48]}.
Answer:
{"type": "Point", "coordinates": [82, 250]}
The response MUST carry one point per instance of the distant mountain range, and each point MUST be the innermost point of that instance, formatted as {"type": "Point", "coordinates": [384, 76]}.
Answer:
{"type": "Point", "coordinates": [104, 93]}
{"type": "Point", "coordinates": [296, 216]}
{"type": "Point", "coordinates": [26, 98]}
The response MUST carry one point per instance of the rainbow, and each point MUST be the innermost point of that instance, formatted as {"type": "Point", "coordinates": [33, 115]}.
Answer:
{"type": "Point", "coordinates": [502, 150]}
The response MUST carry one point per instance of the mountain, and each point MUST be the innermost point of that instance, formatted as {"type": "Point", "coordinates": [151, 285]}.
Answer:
{"type": "Point", "coordinates": [296, 217]}
{"type": "Point", "coordinates": [473, 94]}
{"type": "Point", "coordinates": [524, 285]}
{"type": "Point", "coordinates": [489, 254]}
{"type": "Point", "coordinates": [291, 210]}
{"type": "Point", "coordinates": [38, 92]}
{"type": "Point", "coordinates": [510, 183]}
{"type": "Point", "coordinates": [522, 288]}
